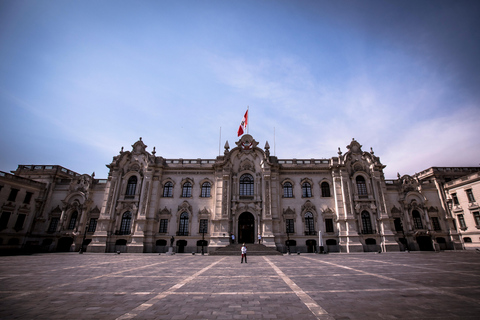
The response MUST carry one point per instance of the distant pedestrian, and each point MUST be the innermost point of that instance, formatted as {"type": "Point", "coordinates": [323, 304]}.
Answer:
{"type": "Point", "coordinates": [259, 239]}
{"type": "Point", "coordinates": [233, 238]}
{"type": "Point", "coordinates": [244, 253]}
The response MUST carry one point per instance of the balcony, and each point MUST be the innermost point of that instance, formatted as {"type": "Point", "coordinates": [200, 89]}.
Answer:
{"type": "Point", "coordinates": [182, 233]}
{"type": "Point", "coordinates": [311, 233]}
{"type": "Point", "coordinates": [121, 233]}
{"type": "Point", "coordinates": [368, 231]}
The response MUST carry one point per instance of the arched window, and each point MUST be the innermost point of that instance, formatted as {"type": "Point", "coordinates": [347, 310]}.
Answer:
{"type": "Point", "coordinates": [306, 190]}
{"type": "Point", "coordinates": [467, 240]}
{"type": "Point", "coordinates": [168, 190]}
{"type": "Point", "coordinates": [73, 220]}
{"type": "Point", "coordinates": [287, 190]}
{"type": "Point", "coordinates": [206, 186]}
{"type": "Point", "coordinates": [126, 223]}
{"type": "Point", "coordinates": [246, 185]}
{"type": "Point", "coordinates": [361, 186]}
{"type": "Point", "coordinates": [325, 189]}
{"type": "Point", "coordinates": [366, 223]}
{"type": "Point", "coordinates": [187, 190]}
{"type": "Point", "coordinates": [417, 220]}
{"type": "Point", "coordinates": [309, 224]}
{"type": "Point", "coordinates": [131, 186]}
{"type": "Point", "coordinates": [183, 226]}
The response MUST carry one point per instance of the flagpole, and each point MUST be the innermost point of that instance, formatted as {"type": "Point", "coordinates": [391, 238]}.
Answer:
{"type": "Point", "coordinates": [274, 143]}
{"type": "Point", "coordinates": [220, 142]}
{"type": "Point", "coordinates": [248, 120]}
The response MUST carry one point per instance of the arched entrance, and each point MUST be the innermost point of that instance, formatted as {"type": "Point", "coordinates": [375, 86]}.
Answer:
{"type": "Point", "coordinates": [64, 244]}
{"type": "Point", "coordinates": [311, 245]}
{"type": "Point", "coordinates": [425, 243]}
{"type": "Point", "coordinates": [246, 228]}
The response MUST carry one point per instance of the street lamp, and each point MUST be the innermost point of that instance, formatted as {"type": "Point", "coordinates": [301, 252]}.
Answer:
{"type": "Point", "coordinates": [83, 240]}
{"type": "Point", "coordinates": [288, 241]}
{"type": "Point", "coordinates": [203, 230]}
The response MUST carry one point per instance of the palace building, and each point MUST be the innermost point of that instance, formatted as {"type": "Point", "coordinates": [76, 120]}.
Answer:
{"type": "Point", "coordinates": [340, 204]}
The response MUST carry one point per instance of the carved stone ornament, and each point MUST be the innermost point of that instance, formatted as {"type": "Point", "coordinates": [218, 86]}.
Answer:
{"type": "Point", "coordinates": [328, 210]}
{"type": "Point", "coordinates": [246, 142]}
{"type": "Point", "coordinates": [308, 206]}
{"type": "Point", "coordinates": [185, 206]}
{"type": "Point", "coordinates": [247, 165]}
{"type": "Point", "coordinates": [165, 212]}
{"type": "Point", "coordinates": [395, 210]}
{"type": "Point", "coordinates": [204, 212]}
{"type": "Point", "coordinates": [288, 211]}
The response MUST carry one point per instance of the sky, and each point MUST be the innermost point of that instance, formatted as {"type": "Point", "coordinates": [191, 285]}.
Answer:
{"type": "Point", "coordinates": [79, 80]}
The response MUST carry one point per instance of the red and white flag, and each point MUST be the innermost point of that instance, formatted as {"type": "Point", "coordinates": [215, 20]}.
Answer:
{"type": "Point", "coordinates": [243, 125]}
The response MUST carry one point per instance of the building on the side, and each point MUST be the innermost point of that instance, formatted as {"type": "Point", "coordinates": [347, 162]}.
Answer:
{"type": "Point", "coordinates": [463, 203]}
{"type": "Point", "coordinates": [340, 204]}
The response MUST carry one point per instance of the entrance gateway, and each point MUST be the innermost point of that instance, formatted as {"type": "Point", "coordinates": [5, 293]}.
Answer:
{"type": "Point", "coordinates": [246, 228]}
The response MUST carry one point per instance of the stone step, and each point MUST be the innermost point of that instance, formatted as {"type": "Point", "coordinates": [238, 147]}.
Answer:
{"type": "Point", "coordinates": [252, 249]}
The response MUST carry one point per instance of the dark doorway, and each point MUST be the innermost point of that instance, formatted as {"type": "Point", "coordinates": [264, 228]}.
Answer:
{"type": "Point", "coordinates": [425, 243]}
{"type": "Point", "coordinates": [246, 228]}
{"type": "Point", "coordinates": [64, 244]}
{"type": "Point", "coordinates": [442, 244]}
{"type": "Point", "coordinates": [311, 246]}
{"type": "Point", "coordinates": [181, 244]}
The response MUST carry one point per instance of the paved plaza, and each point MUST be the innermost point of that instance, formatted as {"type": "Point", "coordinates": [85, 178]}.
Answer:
{"type": "Point", "coordinates": [333, 286]}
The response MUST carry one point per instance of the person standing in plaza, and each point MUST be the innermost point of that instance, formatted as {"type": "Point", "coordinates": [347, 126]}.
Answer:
{"type": "Point", "coordinates": [233, 238]}
{"type": "Point", "coordinates": [259, 239]}
{"type": "Point", "coordinates": [244, 253]}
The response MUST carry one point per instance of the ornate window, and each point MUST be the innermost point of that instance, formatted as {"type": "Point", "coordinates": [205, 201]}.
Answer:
{"type": "Point", "coordinates": [361, 186]}
{"type": "Point", "coordinates": [328, 225]}
{"type": "Point", "coordinates": [246, 185]}
{"type": "Point", "coordinates": [417, 220]}
{"type": "Point", "coordinates": [309, 224]}
{"type": "Point", "coordinates": [203, 226]}
{"type": "Point", "coordinates": [73, 220]}
{"type": "Point", "coordinates": [470, 196]}
{"type": "Point", "coordinates": [476, 217]}
{"type": "Point", "coordinates": [131, 186]}
{"type": "Point", "coordinates": [126, 223]}
{"type": "Point", "coordinates": [436, 224]}
{"type": "Point", "coordinates": [19, 222]}
{"type": "Point", "coordinates": [287, 190]}
{"type": "Point", "coordinates": [455, 199]}
{"type": "Point", "coordinates": [461, 221]}
{"type": "Point", "coordinates": [168, 190]}
{"type": "Point", "coordinates": [4, 220]}
{"type": "Point", "coordinates": [163, 226]}
{"type": "Point", "coordinates": [187, 190]}
{"type": "Point", "coordinates": [306, 190]}
{"type": "Point", "coordinates": [290, 224]}
{"type": "Point", "coordinates": [13, 195]}
{"type": "Point", "coordinates": [325, 189]}
{"type": "Point", "coordinates": [366, 223]}
{"type": "Point", "coordinates": [92, 225]}
{"type": "Point", "coordinates": [183, 226]}
{"type": "Point", "coordinates": [53, 225]}
{"type": "Point", "coordinates": [206, 187]}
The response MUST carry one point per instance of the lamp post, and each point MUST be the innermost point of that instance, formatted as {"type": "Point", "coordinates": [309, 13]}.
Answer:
{"type": "Point", "coordinates": [203, 230]}
{"type": "Point", "coordinates": [403, 232]}
{"type": "Point", "coordinates": [288, 241]}
{"type": "Point", "coordinates": [83, 240]}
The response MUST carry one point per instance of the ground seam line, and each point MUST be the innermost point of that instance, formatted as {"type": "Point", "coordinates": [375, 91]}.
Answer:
{"type": "Point", "coordinates": [313, 306]}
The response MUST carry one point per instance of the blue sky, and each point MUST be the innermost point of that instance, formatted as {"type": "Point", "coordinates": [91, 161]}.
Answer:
{"type": "Point", "coordinates": [81, 79]}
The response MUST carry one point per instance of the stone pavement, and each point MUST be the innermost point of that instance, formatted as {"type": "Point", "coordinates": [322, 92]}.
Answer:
{"type": "Point", "coordinates": [333, 286]}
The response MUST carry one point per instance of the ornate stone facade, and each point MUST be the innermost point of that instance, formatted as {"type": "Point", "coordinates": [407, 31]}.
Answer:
{"type": "Point", "coordinates": [341, 204]}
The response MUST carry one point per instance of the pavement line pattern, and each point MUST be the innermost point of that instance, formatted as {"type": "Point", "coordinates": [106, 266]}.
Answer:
{"type": "Point", "coordinates": [428, 269]}
{"type": "Point", "coordinates": [318, 311]}
{"type": "Point", "coordinates": [147, 304]}
{"type": "Point", "coordinates": [437, 290]}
